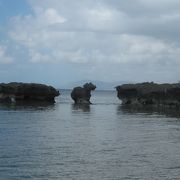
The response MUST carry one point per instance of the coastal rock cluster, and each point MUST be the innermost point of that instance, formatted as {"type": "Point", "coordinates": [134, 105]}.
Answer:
{"type": "Point", "coordinates": [149, 94]}
{"type": "Point", "coordinates": [14, 91]}
{"type": "Point", "coordinates": [130, 94]}
{"type": "Point", "coordinates": [82, 95]}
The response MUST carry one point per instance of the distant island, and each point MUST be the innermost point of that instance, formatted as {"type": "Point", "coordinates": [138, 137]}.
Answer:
{"type": "Point", "coordinates": [150, 94]}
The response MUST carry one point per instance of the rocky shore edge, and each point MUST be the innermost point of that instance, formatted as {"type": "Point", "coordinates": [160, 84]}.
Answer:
{"type": "Point", "coordinates": [16, 92]}
{"type": "Point", "coordinates": [149, 94]}
{"type": "Point", "coordinates": [141, 94]}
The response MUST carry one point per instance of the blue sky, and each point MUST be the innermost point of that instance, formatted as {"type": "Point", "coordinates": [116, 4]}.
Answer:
{"type": "Point", "coordinates": [10, 8]}
{"type": "Point", "coordinates": [62, 41]}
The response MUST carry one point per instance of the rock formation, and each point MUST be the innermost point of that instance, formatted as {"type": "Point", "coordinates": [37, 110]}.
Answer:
{"type": "Point", "coordinates": [14, 91]}
{"type": "Point", "coordinates": [82, 95]}
{"type": "Point", "coordinates": [150, 94]}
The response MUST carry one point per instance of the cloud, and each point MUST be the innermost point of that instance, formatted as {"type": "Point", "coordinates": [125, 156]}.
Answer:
{"type": "Point", "coordinates": [114, 35]}
{"type": "Point", "coordinates": [4, 58]}
{"type": "Point", "coordinates": [46, 17]}
{"type": "Point", "coordinates": [130, 16]}
{"type": "Point", "coordinates": [52, 44]}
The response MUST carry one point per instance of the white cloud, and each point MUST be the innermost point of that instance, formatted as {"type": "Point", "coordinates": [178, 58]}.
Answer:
{"type": "Point", "coordinates": [49, 16]}
{"type": "Point", "coordinates": [4, 58]}
{"type": "Point", "coordinates": [55, 44]}
{"type": "Point", "coordinates": [37, 57]}
{"type": "Point", "coordinates": [99, 18]}
{"type": "Point", "coordinates": [104, 33]}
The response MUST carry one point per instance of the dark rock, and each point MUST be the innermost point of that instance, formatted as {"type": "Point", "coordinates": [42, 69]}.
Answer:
{"type": "Point", "coordinates": [14, 91]}
{"type": "Point", "coordinates": [82, 95]}
{"type": "Point", "coordinates": [150, 94]}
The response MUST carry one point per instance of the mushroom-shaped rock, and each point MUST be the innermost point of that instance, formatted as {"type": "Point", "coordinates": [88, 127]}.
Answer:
{"type": "Point", "coordinates": [13, 92]}
{"type": "Point", "coordinates": [82, 95]}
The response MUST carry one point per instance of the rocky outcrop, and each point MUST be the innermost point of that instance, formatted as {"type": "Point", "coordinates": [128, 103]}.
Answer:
{"type": "Point", "coordinates": [82, 95]}
{"type": "Point", "coordinates": [13, 92]}
{"type": "Point", "coordinates": [150, 94]}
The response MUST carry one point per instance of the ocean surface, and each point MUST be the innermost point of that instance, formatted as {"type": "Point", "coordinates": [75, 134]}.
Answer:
{"type": "Point", "coordinates": [103, 141]}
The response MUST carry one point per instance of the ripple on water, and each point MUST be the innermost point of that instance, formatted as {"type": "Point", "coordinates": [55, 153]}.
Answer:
{"type": "Point", "coordinates": [101, 141]}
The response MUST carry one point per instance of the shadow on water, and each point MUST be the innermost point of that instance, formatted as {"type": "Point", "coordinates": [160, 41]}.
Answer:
{"type": "Point", "coordinates": [149, 110]}
{"type": "Point", "coordinates": [30, 105]}
{"type": "Point", "coordinates": [81, 107]}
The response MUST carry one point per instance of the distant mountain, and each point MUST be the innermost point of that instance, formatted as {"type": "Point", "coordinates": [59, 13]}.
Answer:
{"type": "Point", "coordinates": [101, 85]}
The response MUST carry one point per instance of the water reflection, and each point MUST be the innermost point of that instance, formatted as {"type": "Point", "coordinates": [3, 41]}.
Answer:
{"type": "Point", "coordinates": [29, 105]}
{"type": "Point", "coordinates": [128, 109]}
{"type": "Point", "coordinates": [67, 141]}
{"type": "Point", "coordinates": [81, 107]}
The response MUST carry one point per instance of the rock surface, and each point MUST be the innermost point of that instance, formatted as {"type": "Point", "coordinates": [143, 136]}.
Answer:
{"type": "Point", "coordinates": [14, 91]}
{"type": "Point", "coordinates": [82, 95]}
{"type": "Point", "coordinates": [150, 94]}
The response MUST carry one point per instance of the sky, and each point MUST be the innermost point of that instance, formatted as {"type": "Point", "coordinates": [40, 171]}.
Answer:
{"type": "Point", "coordinates": [58, 42]}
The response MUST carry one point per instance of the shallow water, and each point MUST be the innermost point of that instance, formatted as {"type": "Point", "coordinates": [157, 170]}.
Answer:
{"type": "Point", "coordinates": [101, 141]}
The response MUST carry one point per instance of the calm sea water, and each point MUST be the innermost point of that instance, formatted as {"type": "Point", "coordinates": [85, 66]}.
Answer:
{"type": "Point", "coordinates": [102, 141]}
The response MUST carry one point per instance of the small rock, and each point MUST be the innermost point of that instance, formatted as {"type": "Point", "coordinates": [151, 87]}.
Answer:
{"type": "Point", "coordinates": [82, 95]}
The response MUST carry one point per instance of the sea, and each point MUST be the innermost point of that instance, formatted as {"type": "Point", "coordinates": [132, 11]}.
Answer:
{"type": "Point", "coordinates": [103, 141]}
